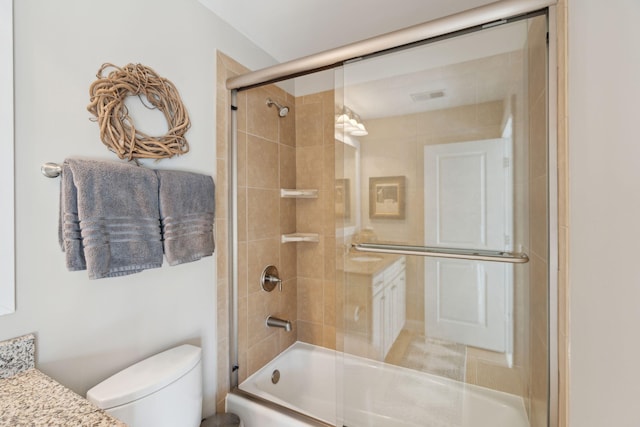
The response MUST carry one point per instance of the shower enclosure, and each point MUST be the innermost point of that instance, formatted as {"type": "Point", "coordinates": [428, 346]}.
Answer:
{"type": "Point", "coordinates": [413, 231]}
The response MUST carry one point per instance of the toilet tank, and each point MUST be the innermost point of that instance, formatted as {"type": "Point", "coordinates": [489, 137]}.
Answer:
{"type": "Point", "coordinates": [164, 390]}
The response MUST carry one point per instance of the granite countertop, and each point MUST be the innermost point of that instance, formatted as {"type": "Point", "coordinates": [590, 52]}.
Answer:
{"type": "Point", "coordinates": [379, 263]}
{"type": "Point", "coordinates": [17, 355]}
{"type": "Point", "coordinates": [31, 398]}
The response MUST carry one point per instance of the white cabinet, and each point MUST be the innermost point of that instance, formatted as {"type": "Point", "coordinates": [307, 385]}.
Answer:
{"type": "Point", "coordinates": [374, 305]}
{"type": "Point", "coordinates": [388, 307]}
{"type": "Point", "coordinates": [378, 327]}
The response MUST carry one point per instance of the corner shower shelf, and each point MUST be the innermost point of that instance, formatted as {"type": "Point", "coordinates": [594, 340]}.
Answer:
{"type": "Point", "coordinates": [298, 194]}
{"type": "Point", "coordinates": [301, 237]}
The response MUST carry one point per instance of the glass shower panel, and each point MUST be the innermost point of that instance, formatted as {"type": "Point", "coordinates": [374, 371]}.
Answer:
{"type": "Point", "coordinates": [444, 147]}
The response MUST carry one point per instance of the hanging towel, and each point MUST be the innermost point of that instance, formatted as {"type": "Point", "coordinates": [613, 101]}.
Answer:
{"type": "Point", "coordinates": [187, 204]}
{"type": "Point", "coordinates": [69, 224]}
{"type": "Point", "coordinates": [109, 221]}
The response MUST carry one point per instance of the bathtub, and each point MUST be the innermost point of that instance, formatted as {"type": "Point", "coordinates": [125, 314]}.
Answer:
{"type": "Point", "coordinates": [321, 387]}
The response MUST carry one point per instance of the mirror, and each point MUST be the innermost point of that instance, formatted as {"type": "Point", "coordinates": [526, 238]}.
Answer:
{"type": "Point", "coordinates": [7, 255]}
{"type": "Point", "coordinates": [348, 186]}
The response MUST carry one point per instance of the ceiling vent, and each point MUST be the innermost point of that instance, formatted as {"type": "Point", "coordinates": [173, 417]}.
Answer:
{"type": "Point", "coordinates": [426, 96]}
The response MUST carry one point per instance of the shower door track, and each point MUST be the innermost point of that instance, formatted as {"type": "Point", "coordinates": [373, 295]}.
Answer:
{"type": "Point", "coordinates": [475, 19]}
{"type": "Point", "coordinates": [440, 252]}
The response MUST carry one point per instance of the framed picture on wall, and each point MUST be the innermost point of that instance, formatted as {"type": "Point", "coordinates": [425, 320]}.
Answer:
{"type": "Point", "coordinates": [387, 197]}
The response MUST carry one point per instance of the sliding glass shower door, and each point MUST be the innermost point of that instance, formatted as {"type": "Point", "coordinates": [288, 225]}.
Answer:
{"type": "Point", "coordinates": [443, 232]}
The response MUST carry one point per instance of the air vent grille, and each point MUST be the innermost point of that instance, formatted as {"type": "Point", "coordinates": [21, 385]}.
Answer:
{"type": "Point", "coordinates": [426, 96]}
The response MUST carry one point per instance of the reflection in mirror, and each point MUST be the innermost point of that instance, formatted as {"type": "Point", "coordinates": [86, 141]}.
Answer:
{"type": "Point", "coordinates": [450, 160]}
{"type": "Point", "coordinates": [7, 290]}
{"type": "Point", "coordinates": [348, 186]}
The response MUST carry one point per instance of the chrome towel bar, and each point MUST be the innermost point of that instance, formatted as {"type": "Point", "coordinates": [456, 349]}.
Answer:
{"type": "Point", "coordinates": [469, 254]}
{"type": "Point", "coordinates": [54, 170]}
{"type": "Point", "coordinates": [51, 170]}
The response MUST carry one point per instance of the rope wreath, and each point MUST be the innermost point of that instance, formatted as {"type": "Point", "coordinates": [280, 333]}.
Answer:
{"type": "Point", "coordinates": [117, 130]}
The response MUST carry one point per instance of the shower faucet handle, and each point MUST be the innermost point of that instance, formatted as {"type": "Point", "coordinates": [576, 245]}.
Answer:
{"type": "Point", "coordinates": [274, 280]}
{"type": "Point", "coordinates": [270, 278]}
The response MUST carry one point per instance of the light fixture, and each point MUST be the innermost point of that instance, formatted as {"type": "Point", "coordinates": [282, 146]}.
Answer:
{"type": "Point", "coordinates": [350, 122]}
{"type": "Point", "coordinates": [342, 118]}
{"type": "Point", "coordinates": [360, 130]}
{"type": "Point", "coordinates": [351, 125]}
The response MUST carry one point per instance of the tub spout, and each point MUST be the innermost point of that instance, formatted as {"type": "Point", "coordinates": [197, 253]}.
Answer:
{"type": "Point", "coordinates": [274, 322]}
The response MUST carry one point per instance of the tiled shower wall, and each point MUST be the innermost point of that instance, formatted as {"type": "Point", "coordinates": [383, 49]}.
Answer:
{"type": "Point", "coordinates": [266, 163]}
{"type": "Point", "coordinates": [225, 68]}
{"type": "Point", "coordinates": [315, 160]}
{"type": "Point", "coordinates": [267, 158]}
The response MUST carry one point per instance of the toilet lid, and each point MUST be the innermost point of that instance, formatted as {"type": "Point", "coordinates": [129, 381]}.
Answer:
{"type": "Point", "coordinates": [145, 377]}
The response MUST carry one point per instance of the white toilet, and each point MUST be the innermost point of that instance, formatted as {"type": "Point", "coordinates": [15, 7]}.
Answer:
{"type": "Point", "coordinates": [164, 390]}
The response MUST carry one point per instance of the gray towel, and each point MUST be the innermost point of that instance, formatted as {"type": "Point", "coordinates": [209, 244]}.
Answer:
{"type": "Point", "coordinates": [109, 221]}
{"type": "Point", "coordinates": [69, 225]}
{"type": "Point", "coordinates": [187, 204]}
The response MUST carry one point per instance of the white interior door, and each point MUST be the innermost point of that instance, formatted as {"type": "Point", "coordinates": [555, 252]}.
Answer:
{"type": "Point", "coordinates": [468, 205]}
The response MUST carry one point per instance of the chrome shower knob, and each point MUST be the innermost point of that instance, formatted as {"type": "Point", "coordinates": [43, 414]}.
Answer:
{"type": "Point", "coordinates": [270, 278]}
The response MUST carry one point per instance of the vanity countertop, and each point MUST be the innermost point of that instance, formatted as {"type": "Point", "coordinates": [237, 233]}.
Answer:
{"type": "Point", "coordinates": [368, 263]}
{"type": "Point", "coordinates": [31, 398]}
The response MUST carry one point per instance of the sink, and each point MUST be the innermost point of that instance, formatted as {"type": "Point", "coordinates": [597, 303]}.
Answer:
{"type": "Point", "coordinates": [365, 258]}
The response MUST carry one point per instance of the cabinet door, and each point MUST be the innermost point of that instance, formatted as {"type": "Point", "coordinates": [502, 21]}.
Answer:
{"type": "Point", "coordinates": [390, 314]}
{"type": "Point", "coordinates": [378, 324]}
{"type": "Point", "coordinates": [401, 301]}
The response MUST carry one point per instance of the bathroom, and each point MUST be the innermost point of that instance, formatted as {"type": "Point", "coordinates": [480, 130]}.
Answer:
{"type": "Point", "coordinates": [99, 328]}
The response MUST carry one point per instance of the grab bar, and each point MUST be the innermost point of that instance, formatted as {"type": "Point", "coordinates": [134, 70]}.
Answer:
{"type": "Point", "coordinates": [469, 254]}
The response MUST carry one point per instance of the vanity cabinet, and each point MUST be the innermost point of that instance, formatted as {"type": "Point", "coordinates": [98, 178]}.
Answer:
{"type": "Point", "coordinates": [375, 304]}
{"type": "Point", "coordinates": [388, 308]}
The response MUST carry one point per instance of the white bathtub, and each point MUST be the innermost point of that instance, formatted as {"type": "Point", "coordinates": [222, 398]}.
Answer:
{"type": "Point", "coordinates": [345, 390]}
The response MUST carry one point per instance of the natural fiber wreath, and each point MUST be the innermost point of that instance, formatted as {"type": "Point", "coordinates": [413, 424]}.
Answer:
{"type": "Point", "coordinates": [117, 131]}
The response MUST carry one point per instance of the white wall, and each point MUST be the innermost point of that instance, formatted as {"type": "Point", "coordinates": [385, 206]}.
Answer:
{"type": "Point", "coordinates": [87, 330]}
{"type": "Point", "coordinates": [604, 145]}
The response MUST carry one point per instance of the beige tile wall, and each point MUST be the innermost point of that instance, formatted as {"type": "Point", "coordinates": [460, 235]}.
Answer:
{"type": "Point", "coordinates": [266, 147]}
{"type": "Point", "coordinates": [225, 67]}
{"type": "Point", "coordinates": [266, 163]}
{"type": "Point", "coordinates": [315, 160]}
{"type": "Point", "coordinates": [269, 159]}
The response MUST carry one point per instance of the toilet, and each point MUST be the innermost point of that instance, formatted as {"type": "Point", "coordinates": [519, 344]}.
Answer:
{"type": "Point", "coordinates": [164, 390]}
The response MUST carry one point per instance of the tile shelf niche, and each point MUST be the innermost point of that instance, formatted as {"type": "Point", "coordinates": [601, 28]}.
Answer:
{"type": "Point", "coordinates": [299, 194]}
{"type": "Point", "coordinates": [301, 237]}
{"type": "Point", "coordinates": [286, 193]}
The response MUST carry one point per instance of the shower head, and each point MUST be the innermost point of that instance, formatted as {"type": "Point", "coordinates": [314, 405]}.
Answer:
{"type": "Point", "coordinates": [282, 110]}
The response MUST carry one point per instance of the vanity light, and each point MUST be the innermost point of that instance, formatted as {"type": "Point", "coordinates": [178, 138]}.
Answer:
{"type": "Point", "coordinates": [361, 131]}
{"type": "Point", "coordinates": [342, 119]}
{"type": "Point", "coordinates": [351, 126]}
{"type": "Point", "coordinates": [350, 122]}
